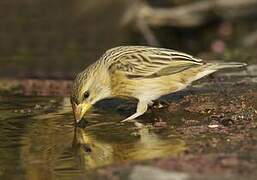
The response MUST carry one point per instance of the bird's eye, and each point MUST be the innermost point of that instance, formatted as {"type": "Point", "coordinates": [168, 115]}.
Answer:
{"type": "Point", "coordinates": [86, 95]}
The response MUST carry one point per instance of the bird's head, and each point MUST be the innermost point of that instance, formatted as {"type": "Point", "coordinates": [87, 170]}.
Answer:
{"type": "Point", "coordinates": [90, 86]}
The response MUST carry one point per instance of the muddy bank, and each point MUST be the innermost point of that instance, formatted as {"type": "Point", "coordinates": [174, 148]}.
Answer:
{"type": "Point", "coordinates": [219, 128]}
{"type": "Point", "coordinates": [35, 87]}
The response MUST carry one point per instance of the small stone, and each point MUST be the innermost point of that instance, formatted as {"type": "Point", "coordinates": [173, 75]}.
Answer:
{"type": "Point", "coordinates": [213, 126]}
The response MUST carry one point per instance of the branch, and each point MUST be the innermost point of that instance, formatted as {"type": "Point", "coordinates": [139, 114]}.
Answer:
{"type": "Point", "coordinates": [193, 14]}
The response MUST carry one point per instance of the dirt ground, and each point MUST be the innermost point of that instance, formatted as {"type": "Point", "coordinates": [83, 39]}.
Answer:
{"type": "Point", "coordinates": [221, 145]}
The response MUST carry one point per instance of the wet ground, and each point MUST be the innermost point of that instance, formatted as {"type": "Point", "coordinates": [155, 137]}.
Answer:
{"type": "Point", "coordinates": [207, 131]}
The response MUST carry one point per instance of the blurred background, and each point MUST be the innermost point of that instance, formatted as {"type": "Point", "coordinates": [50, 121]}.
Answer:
{"type": "Point", "coordinates": [57, 39]}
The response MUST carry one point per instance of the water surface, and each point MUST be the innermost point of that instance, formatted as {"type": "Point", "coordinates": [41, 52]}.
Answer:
{"type": "Point", "coordinates": [39, 141]}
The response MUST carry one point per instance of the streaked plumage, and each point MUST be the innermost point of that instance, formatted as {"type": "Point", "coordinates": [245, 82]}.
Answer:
{"type": "Point", "coordinates": [141, 72]}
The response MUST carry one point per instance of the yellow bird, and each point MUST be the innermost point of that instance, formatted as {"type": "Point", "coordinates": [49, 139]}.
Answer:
{"type": "Point", "coordinates": [141, 72]}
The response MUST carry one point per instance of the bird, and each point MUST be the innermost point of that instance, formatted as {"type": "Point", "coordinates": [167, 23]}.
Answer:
{"type": "Point", "coordinates": [142, 72]}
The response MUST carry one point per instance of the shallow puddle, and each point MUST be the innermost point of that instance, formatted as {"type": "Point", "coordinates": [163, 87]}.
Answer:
{"type": "Point", "coordinates": [39, 141]}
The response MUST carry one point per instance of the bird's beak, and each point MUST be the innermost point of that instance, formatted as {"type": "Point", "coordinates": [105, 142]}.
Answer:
{"type": "Point", "coordinates": [80, 110]}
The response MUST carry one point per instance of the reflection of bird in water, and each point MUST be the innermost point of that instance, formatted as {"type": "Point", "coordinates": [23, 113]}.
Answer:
{"type": "Point", "coordinates": [92, 153]}
{"type": "Point", "coordinates": [96, 151]}
{"type": "Point", "coordinates": [141, 72]}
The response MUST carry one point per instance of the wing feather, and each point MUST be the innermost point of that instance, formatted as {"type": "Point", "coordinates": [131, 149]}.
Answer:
{"type": "Point", "coordinates": [148, 62]}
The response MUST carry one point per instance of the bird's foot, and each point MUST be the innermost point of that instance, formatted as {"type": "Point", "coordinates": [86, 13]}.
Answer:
{"type": "Point", "coordinates": [160, 104]}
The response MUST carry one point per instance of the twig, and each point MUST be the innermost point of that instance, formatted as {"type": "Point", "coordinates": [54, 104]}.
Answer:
{"type": "Point", "coordinates": [193, 14]}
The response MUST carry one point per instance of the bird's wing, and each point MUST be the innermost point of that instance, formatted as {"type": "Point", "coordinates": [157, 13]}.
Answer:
{"type": "Point", "coordinates": [148, 62]}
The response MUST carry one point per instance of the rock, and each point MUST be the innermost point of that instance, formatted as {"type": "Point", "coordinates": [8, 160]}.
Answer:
{"type": "Point", "coordinates": [213, 126]}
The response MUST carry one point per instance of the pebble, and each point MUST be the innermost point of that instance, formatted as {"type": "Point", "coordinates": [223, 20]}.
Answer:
{"type": "Point", "coordinates": [213, 126]}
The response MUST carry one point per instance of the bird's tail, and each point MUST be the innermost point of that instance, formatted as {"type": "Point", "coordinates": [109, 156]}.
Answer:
{"type": "Point", "coordinates": [223, 65]}
{"type": "Point", "coordinates": [210, 68]}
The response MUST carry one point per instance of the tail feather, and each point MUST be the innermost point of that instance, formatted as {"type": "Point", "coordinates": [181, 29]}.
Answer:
{"type": "Point", "coordinates": [210, 68]}
{"type": "Point", "coordinates": [222, 65]}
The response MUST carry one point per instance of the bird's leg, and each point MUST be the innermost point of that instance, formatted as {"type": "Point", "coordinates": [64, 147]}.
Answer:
{"type": "Point", "coordinates": [141, 109]}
